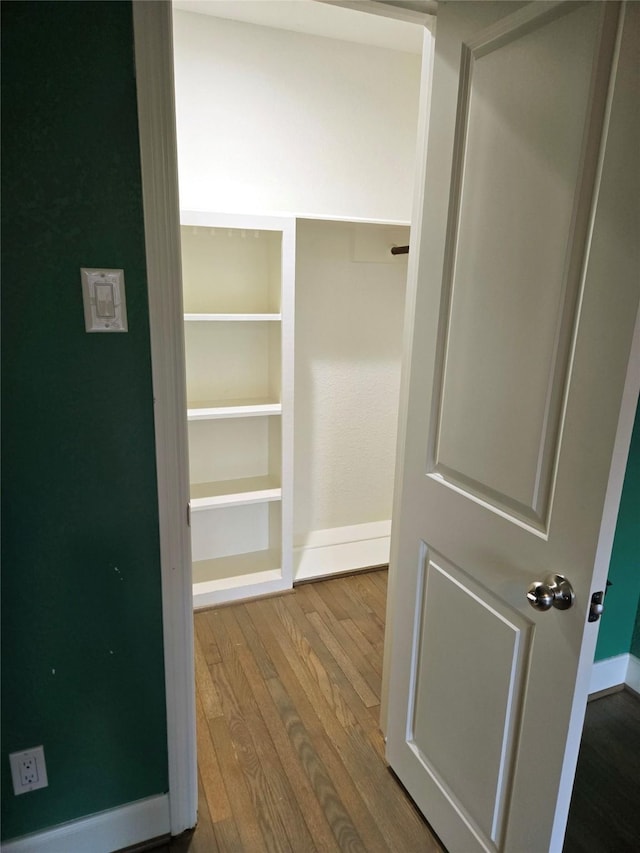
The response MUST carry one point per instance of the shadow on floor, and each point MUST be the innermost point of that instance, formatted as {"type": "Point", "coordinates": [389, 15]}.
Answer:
{"type": "Point", "coordinates": [605, 807]}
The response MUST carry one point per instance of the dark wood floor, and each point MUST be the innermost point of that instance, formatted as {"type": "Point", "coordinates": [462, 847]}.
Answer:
{"type": "Point", "coordinates": [290, 753]}
{"type": "Point", "coordinates": [605, 808]}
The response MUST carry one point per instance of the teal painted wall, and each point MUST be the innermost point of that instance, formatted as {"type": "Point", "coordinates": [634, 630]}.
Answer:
{"type": "Point", "coordinates": [82, 668]}
{"type": "Point", "coordinates": [622, 612]}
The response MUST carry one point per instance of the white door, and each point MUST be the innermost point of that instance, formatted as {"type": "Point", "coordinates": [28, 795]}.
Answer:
{"type": "Point", "coordinates": [527, 294]}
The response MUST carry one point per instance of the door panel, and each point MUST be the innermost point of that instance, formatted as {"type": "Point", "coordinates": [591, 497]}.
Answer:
{"type": "Point", "coordinates": [518, 178]}
{"type": "Point", "coordinates": [467, 746]}
{"type": "Point", "coordinates": [526, 299]}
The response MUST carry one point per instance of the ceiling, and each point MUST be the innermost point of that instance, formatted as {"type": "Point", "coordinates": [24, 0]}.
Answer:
{"type": "Point", "coordinates": [330, 19]}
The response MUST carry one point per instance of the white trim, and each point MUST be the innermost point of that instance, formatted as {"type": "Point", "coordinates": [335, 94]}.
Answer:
{"type": "Point", "coordinates": [354, 220]}
{"type": "Point", "coordinates": [606, 534]}
{"type": "Point", "coordinates": [287, 378]}
{"type": "Point", "coordinates": [102, 832]}
{"type": "Point", "coordinates": [257, 496]}
{"type": "Point", "coordinates": [274, 220]}
{"type": "Point", "coordinates": [632, 678]}
{"type": "Point", "coordinates": [608, 673]}
{"type": "Point", "coordinates": [422, 136]}
{"type": "Point", "coordinates": [391, 9]}
{"type": "Point", "coordinates": [232, 318]}
{"type": "Point", "coordinates": [156, 122]}
{"type": "Point", "coordinates": [612, 672]}
{"type": "Point", "coordinates": [220, 219]}
{"type": "Point", "coordinates": [227, 590]}
{"type": "Point", "coordinates": [347, 533]}
{"type": "Point", "coordinates": [227, 410]}
{"type": "Point", "coordinates": [338, 550]}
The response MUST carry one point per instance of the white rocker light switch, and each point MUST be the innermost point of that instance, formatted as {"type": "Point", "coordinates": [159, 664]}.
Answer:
{"type": "Point", "coordinates": [105, 309]}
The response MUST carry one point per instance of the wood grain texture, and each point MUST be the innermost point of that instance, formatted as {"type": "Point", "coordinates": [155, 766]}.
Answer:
{"type": "Point", "coordinates": [290, 754]}
{"type": "Point", "coordinates": [206, 688]}
{"type": "Point", "coordinates": [209, 771]}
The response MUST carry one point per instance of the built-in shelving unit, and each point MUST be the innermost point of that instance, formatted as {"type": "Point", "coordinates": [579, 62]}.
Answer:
{"type": "Point", "coordinates": [238, 303]}
{"type": "Point", "coordinates": [238, 274]}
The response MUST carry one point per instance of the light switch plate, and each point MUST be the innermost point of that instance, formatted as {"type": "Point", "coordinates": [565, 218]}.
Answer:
{"type": "Point", "coordinates": [105, 308]}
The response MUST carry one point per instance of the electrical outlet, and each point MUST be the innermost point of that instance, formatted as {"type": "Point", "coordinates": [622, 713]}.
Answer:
{"type": "Point", "coordinates": [28, 770]}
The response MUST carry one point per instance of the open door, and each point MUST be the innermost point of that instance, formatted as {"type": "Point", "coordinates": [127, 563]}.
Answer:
{"type": "Point", "coordinates": [528, 285]}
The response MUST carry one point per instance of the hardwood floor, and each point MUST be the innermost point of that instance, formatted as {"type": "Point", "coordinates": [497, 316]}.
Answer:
{"type": "Point", "coordinates": [289, 751]}
{"type": "Point", "coordinates": [605, 808]}
{"type": "Point", "coordinates": [290, 754]}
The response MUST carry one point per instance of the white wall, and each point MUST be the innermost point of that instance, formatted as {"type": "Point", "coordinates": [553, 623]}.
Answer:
{"type": "Point", "coordinates": [349, 319]}
{"type": "Point", "coordinates": [272, 121]}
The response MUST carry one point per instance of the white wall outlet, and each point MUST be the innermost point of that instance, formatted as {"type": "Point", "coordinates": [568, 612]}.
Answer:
{"type": "Point", "coordinates": [105, 308]}
{"type": "Point", "coordinates": [28, 770]}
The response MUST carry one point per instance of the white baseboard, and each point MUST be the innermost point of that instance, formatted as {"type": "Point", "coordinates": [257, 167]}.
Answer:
{"type": "Point", "coordinates": [100, 833]}
{"type": "Point", "coordinates": [633, 674]}
{"type": "Point", "coordinates": [212, 593]}
{"type": "Point", "coordinates": [342, 549]}
{"type": "Point", "coordinates": [611, 672]}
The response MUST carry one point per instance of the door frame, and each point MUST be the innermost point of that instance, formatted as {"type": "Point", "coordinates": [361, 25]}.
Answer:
{"type": "Point", "coordinates": [153, 47]}
{"type": "Point", "coordinates": [606, 535]}
{"type": "Point", "coordinates": [153, 51]}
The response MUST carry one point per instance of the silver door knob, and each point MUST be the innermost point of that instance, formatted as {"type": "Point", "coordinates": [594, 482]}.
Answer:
{"type": "Point", "coordinates": [553, 591]}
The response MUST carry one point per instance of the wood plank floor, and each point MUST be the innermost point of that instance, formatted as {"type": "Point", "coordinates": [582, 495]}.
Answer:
{"type": "Point", "coordinates": [605, 807]}
{"type": "Point", "coordinates": [290, 754]}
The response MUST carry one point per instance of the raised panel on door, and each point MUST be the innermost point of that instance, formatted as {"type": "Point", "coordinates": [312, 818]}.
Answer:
{"type": "Point", "coordinates": [519, 181]}
{"type": "Point", "coordinates": [467, 747]}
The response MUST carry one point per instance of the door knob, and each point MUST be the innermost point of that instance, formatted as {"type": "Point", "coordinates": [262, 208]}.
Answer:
{"type": "Point", "coordinates": [553, 591]}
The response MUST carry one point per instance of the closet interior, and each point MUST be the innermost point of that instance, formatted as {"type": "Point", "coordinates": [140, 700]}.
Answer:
{"type": "Point", "coordinates": [296, 181]}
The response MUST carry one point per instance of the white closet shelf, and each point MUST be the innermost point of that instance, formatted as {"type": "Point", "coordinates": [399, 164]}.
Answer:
{"type": "Point", "coordinates": [236, 570]}
{"type": "Point", "coordinates": [248, 490]}
{"type": "Point", "coordinates": [231, 318]}
{"type": "Point", "coordinates": [245, 408]}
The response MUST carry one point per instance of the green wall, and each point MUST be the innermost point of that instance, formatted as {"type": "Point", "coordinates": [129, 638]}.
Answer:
{"type": "Point", "coordinates": [82, 666]}
{"type": "Point", "coordinates": [622, 613]}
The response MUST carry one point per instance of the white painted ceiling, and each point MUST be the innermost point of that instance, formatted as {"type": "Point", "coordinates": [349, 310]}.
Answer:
{"type": "Point", "coordinates": [317, 18]}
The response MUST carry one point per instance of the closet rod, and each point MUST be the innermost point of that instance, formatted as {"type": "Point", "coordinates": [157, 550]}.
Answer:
{"type": "Point", "coordinates": [399, 250]}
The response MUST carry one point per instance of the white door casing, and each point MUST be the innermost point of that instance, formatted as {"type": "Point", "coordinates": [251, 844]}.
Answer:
{"type": "Point", "coordinates": [159, 170]}
{"type": "Point", "coordinates": [527, 297]}
{"type": "Point", "coordinates": [156, 122]}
